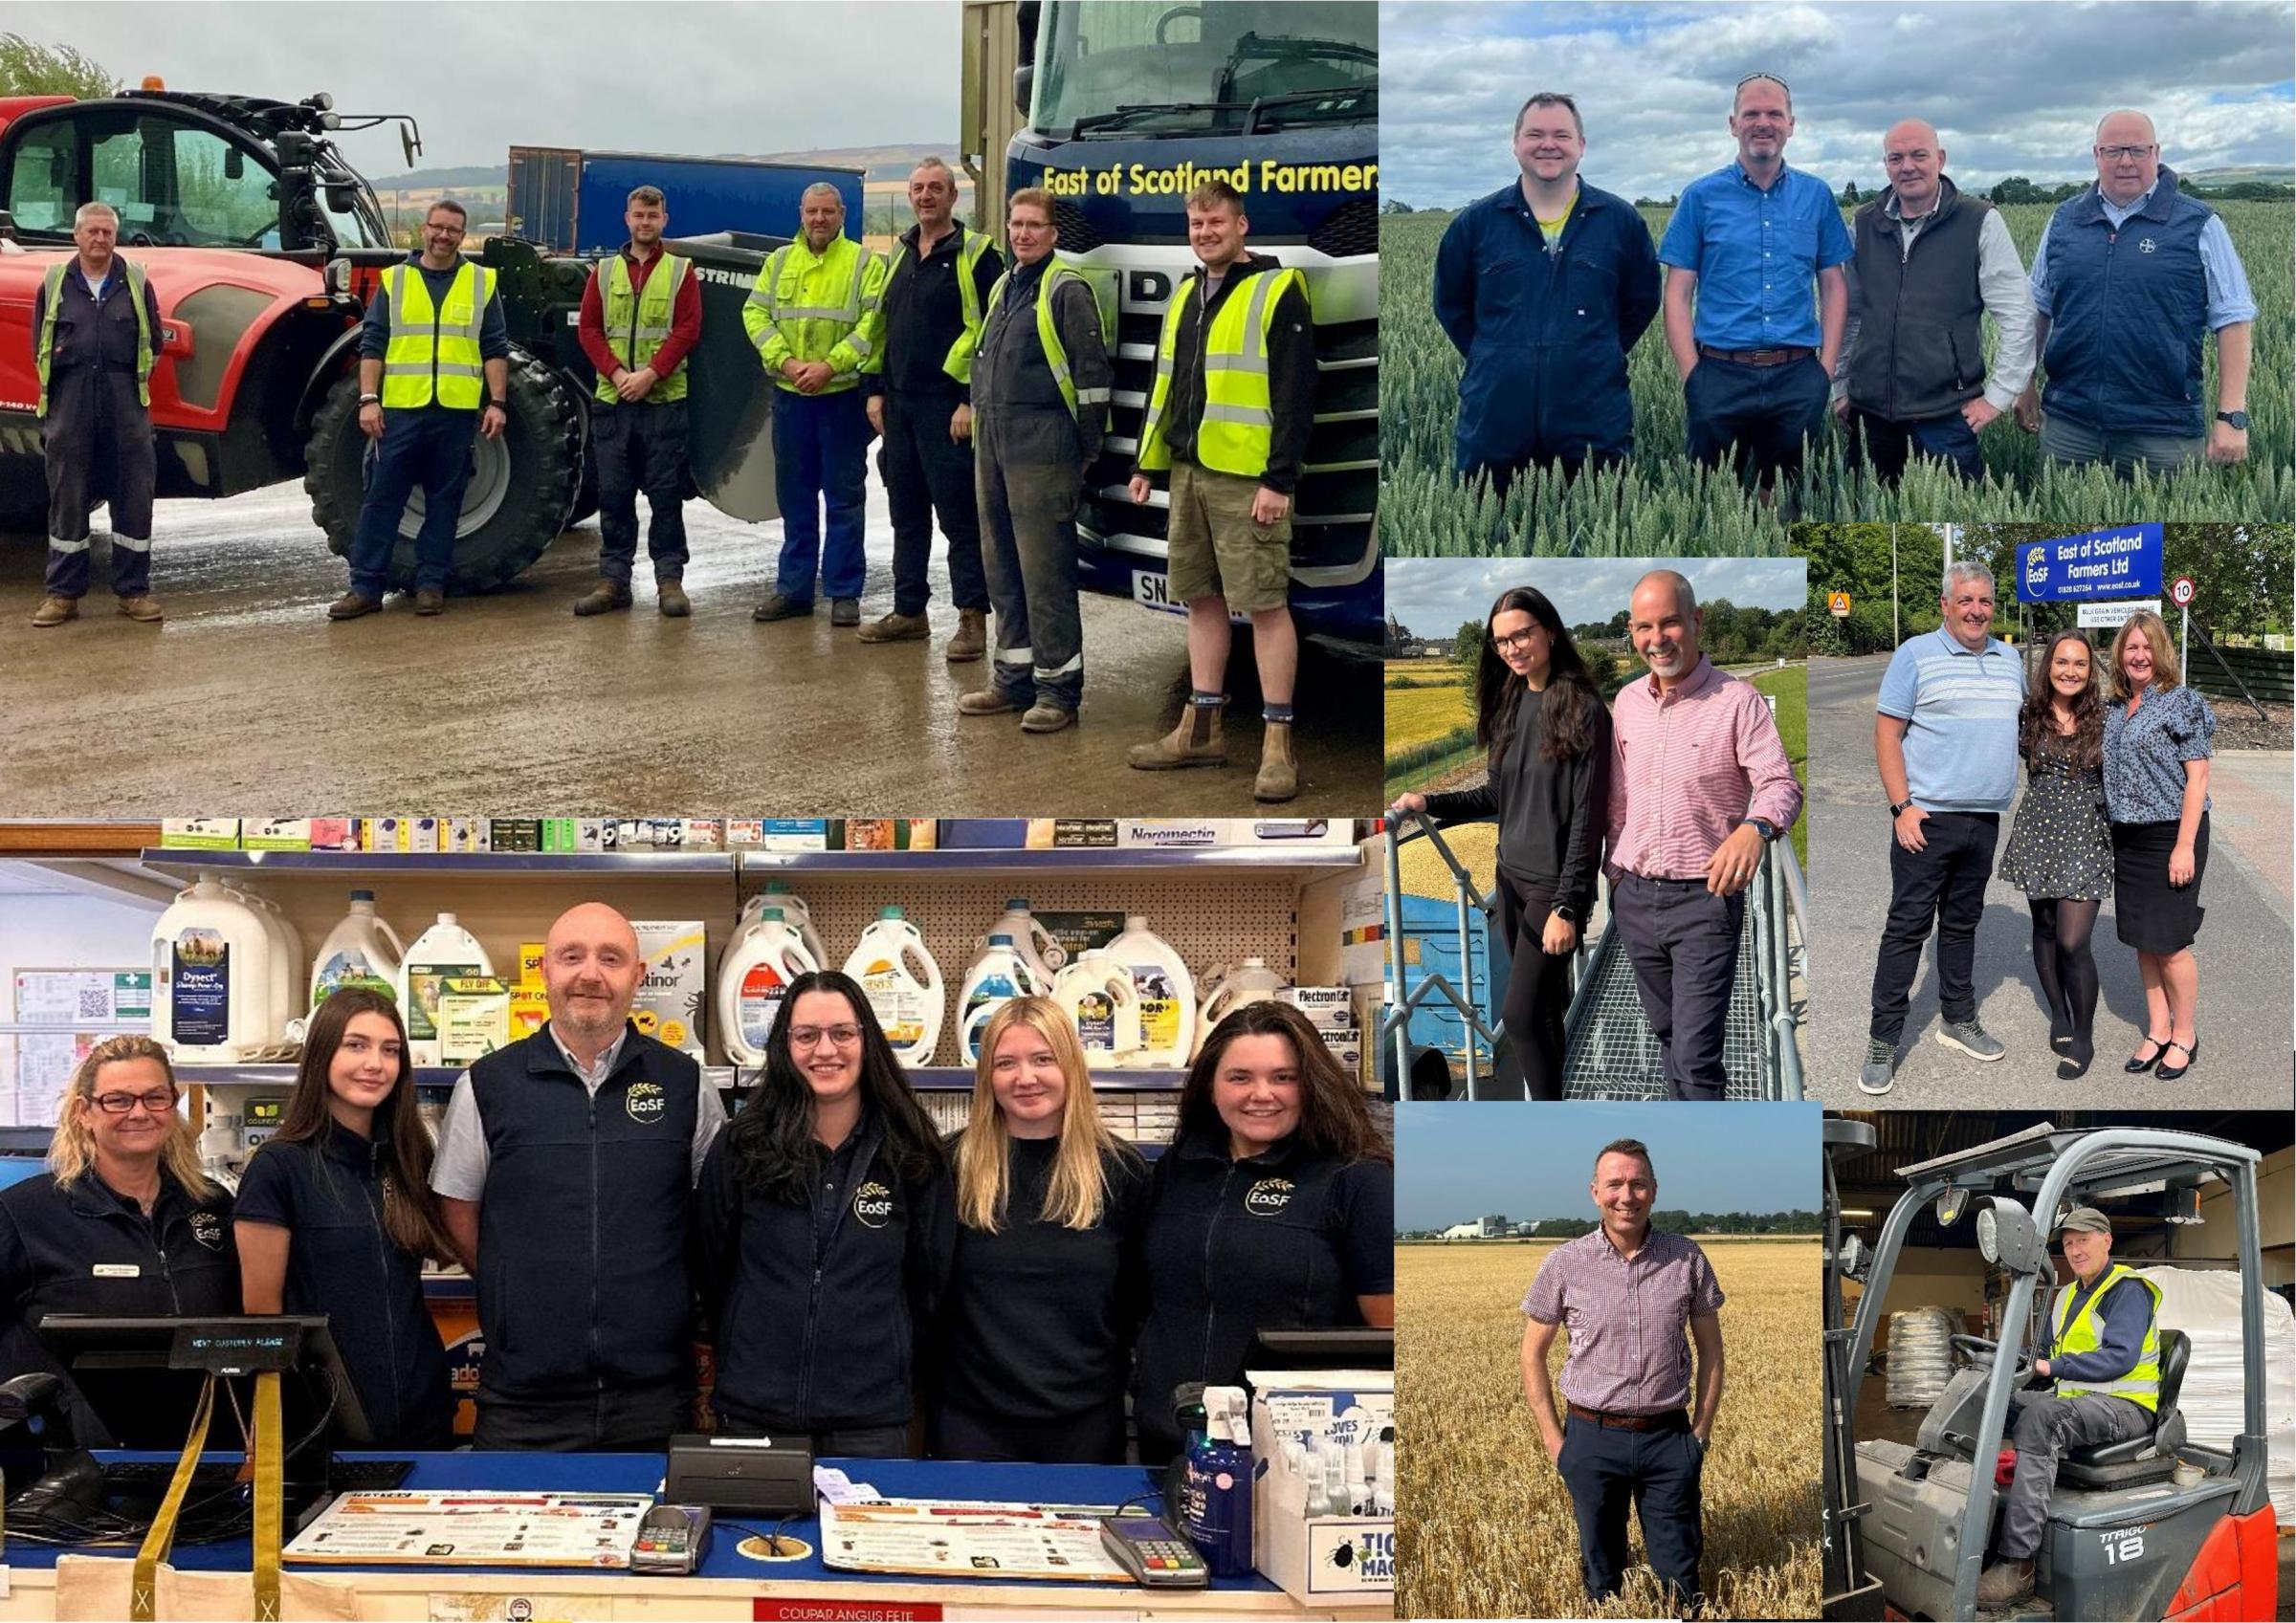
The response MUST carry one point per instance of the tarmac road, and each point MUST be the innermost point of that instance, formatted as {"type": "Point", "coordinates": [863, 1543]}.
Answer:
{"type": "Point", "coordinates": [2244, 947]}
{"type": "Point", "coordinates": [248, 699]}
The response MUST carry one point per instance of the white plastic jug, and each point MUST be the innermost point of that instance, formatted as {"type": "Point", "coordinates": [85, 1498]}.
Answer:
{"type": "Point", "coordinates": [283, 986]}
{"type": "Point", "coordinates": [361, 950]}
{"type": "Point", "coordinates": [1167, 994]}
{"type": "Point", "coordinates": [1045, 956]}
{"type": "Point", "coordinates": [904, 983]}
{"type": "Point", "coordinates": [795, 914]}
{"type": "Point", "coordinates": [1226, 990]}
{"type": "Point", "coordinates": [443, 951]}
{"type": "Point", "coordinates": [1095, 992]}
{"type": "Point", "coordinates": [211, 975]}
{"type": "Point", "coordinates": [998, 976]}
{"type": "Point", "coordinates": [752, 979]}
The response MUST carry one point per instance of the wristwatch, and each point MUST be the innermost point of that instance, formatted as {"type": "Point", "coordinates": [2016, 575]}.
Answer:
{"type": "Point", "coordinates": [1897, 808]}
{"type": "Point", "coordinates": [1564, 911]}
{"type": "Point", "coordinates": [500, 404]}
{"type": "Point", "coordinates": [2237, 419]}
{"type": "Point", "coordinates": [370, 400]}
{"type": "Point", "coordinates": [1761, 826]}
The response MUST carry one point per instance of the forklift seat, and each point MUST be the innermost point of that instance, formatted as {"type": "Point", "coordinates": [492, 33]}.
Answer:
{"type": "Point", "coordinates": [2149, 1455]}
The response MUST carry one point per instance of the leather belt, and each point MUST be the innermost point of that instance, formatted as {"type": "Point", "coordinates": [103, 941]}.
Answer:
{"type": "Point", "coordinates": [1758, 356]}
{"type": "Point", "coordinates": [1665, 1420]}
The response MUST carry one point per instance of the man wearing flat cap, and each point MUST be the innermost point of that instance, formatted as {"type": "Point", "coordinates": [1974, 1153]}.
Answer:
{"type": "Point", "coordinates": [2104, 1354]}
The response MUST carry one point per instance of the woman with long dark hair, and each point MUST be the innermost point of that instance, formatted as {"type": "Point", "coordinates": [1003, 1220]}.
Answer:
{"type": "Point", "coordinates": [1274, 1208]}
{"type": "Point", "coordinates": [336, 1216]}
{"type": "Point", "coordinates": [1036, 1331]}
{"type": "Point", "coordinates": [823, 1221]}
{"type": "Point", "coordinates": [1547, 740]}
{"type": "Point", "coordinates": [2060, 852]}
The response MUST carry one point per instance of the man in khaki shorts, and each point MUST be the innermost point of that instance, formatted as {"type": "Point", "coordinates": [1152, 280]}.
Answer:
{"type": "Point", "coordinates": [1229, 415]}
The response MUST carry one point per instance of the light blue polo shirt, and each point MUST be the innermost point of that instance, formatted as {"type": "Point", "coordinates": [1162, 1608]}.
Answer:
{"type": "Point", "coordinates": [1960, 708]}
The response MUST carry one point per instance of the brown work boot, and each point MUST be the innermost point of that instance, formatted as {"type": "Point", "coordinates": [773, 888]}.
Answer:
{"type": "Point", "coordinates": [987, 701]}
{"type": "Point", "coordinates": [430, 601]}
{"type": "Point", "coordinates": [55, 611]}
{"type": "Point", "coordinates": [895, 628]}
{"type": "Point", "coordinates": [1047, 718]}
{"type": "Point", "coordinates": [1195, 742]}
{"type": "Point", "coordinates": [604, 598]}
{"type": "Point", "coordinates": [2003, 1582]}
{"type": "Point", "coordinates": [142, 606]}
{"type": "Point", "coordinates": [971, 641]}
{"type": "Point", "coordinates": [351, 606]}
{"type": "Point", "coordinates": [1279, 773]}
{"type": "Point", "coordinates": [670, 597]}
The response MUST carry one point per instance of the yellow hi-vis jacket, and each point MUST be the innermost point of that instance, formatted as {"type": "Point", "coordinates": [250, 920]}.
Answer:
{"type": "Point", "coordinates": [433, 350]}
{"type": "Point", "coordinates": [146, 351]}
{"type": "Point", "coordinates": [826, 306]}
{"type": "Point", "coordinates": [971, 245]}
{"type": "Point", "coordinates": [2140, 1385]}
{"type": "Point", "coordinates": [637, 320]}
{"type": "Point", "coordinates": [960, 364]}
{"type": "Point", "coordinates": [1238, 430]}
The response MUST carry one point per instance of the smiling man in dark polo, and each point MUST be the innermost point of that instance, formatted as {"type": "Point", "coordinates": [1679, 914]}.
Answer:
{"type": "Point", "coordinates": [566, 1171]}
{"type": "Point", "coordinates": [1626, 1295]}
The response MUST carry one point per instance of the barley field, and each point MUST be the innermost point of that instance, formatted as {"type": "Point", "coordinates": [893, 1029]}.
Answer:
{"type": "Point", "coordinates": [1484, 1525]}
{"type": "Point", "coordinates": [1660, 504]}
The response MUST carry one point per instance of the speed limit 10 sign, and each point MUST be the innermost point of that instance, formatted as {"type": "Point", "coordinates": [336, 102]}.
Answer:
{"type": "Point", "coordinates": [2183, 591]}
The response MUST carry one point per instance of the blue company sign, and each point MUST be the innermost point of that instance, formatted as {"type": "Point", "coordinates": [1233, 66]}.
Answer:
{"type": "Point", "coordinates": [2092, 567]}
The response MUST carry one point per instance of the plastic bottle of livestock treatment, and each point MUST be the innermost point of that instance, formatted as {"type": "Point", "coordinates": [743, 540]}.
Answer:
{"type": "Point", "coordinates": [904, 983]}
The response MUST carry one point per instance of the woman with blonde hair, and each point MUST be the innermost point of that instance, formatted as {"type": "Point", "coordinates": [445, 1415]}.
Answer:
{"type": "Point", "coordinates": [128, 1226]}
{"type": "Point", "coordinates": [1036, 1331]}
{"type": "Point", "coordinates": [2156, 754]}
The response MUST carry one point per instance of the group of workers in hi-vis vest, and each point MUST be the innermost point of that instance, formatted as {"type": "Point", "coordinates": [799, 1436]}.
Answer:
{"type": "Point", "coordinates": [987, 377]}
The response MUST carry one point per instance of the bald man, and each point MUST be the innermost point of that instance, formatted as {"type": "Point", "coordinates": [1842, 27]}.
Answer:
{"type": "Point", "coordinates": [1927, 265]}
{"type": "Point", "coordinates": [2129, 278]}
{"type": "Point", "coordinates": [566, 1169]}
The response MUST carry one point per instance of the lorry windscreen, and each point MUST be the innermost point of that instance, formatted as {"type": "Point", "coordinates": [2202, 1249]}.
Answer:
{"type": "Point", "coordinates": [1153, 68]}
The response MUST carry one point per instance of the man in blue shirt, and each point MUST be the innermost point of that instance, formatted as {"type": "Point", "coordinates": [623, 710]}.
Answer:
{"type": "Point", "coordinates": [1944, 739]}
{"type": "Point", "coordinates": [1544, 286]}
{"type": "Point", "coordinates": [1746, 243]}
{"type": "Point", "coordinates": [2128, 277]}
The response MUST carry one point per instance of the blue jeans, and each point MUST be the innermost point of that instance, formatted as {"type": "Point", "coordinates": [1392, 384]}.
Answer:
{"type": "Point", "coordinates": [1886, 445]}
{"type": "Point", "coordinates": [2064, 440]}
{"type": "Point", "coordinates": [427, 446]}
{"type": "Point", "coordinates": [1608, 1468]}
{"type": "Point", "coordinates": [821, 459]}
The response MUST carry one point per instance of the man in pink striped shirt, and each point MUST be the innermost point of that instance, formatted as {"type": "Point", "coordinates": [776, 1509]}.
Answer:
{"type": "Point", "coordinates": [1699, 783]}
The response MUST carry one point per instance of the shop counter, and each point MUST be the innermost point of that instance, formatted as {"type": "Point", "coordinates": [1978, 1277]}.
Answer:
{"type": "Point", "coordinates": [729, 1585]}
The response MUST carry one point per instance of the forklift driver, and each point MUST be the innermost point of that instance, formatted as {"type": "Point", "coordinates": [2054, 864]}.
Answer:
{"type": "Point", "coordinates": [2104, 1352]}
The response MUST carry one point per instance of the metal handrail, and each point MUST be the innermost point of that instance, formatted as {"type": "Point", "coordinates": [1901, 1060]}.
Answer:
{"type": "Point", "coordinates": [1395, 1026]}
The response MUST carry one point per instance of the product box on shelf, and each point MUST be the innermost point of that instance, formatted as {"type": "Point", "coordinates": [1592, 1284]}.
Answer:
{"type": "Point", "coordinates": [1232, 833]}
{"type": "Point", "coordinates": [426, 835]}
{"type": "Point", "coordinates": [885, 834]}
{"type": "Point", "coordinates": [514, 833]}
{"type": "Point", "coordinates": [464, 835]}
{"type": "Point", "coordinates": [1329, 1009]}
{"type": "Point", "coordinates": [744, 833]}
{"type": "Point", "coordinates": [384, 834]}
{"type": "Point", "coordinates": [1317, 1558]}
{"type": "Point", "coordinates": [200, 833]}
{"type": "Point", "coordinates": [334, 833]}
{"type": "Point", "coordinates": [984, 833]}
{"type": "Point", "coordinates": [473, 1018]}
{"type": "Point", "coordinates": [274, 834]}
{"type": "Point", "coordinates": [1072, 833]}
{"type": "Point", "coordinates": [574, 834]}
{"type": "Point", "coordinates": [672, 995]}
{"type": "Point", "coordinates": [794, 834]}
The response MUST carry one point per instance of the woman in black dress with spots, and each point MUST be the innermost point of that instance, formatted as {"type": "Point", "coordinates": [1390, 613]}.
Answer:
{"type": "Point", "coordinates": [2061, 846]}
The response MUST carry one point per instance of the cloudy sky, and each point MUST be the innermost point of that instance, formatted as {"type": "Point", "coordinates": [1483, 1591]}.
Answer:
{"type": "Point", "coordinates": [2016, 88]}
{"type": "Point", "coordinates": [1458, 1162]}
{"type": "Point", "coordinates": [1432, 596]}
{"type": "Point", "coordinates": [666, 77]}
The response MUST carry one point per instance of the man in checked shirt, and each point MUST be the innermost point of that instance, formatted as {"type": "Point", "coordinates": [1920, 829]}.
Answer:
{"type": "Point", "coordinates": [1699, 783]}
{"type": "Point", "coordinates": [1626, 1295]}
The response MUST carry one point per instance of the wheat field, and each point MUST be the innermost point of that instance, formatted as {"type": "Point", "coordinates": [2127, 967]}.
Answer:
{"type": "Point", "coordinates": [1484, 1525]}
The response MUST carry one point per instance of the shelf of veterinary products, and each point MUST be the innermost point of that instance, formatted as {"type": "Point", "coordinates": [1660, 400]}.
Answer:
{"type": "Point", "coordinates": [763, 864]}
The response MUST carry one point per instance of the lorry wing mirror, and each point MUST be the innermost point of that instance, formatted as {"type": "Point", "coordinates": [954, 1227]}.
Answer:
{"type": "Point", "coordinates": [342, 196]}
{"type": "Point", "coordinates": [407, 144]}
{"type": "Point", "coordinates": [1023, 85]}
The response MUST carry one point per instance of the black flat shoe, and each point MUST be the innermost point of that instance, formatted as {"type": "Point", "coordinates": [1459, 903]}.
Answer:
{"type": "Point", "coordinates": [2078, 1057]}
{"type": "Point", "coordinates": [2060, 1034]}
{"type": "Point", "coordinates": [2167, 1072]}
{"type": "Point", "coordinates": [2136, 1066]}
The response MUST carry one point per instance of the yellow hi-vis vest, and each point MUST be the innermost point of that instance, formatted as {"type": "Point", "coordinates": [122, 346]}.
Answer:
{"type": "Point", "coordinates": [1237, 433]}
{"type": "Point", "coordinates": [826, 306]}
{"type": "Point", "coordinates": [433, 350]}
{"type": "Point", "coordinates": [960, 364]}
{"type": "Point", "coordinates": [969, 248]}
{"type": "Point", "coordinates": [146, 352]}
{"type": "Point", "coordinates": [2140, 1385]}
{"type": "Point", "coordinates": [637, 320]}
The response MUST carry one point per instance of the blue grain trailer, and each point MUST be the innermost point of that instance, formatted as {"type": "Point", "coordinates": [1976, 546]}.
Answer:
{"type": "Point", "coordinates": [572, 201]}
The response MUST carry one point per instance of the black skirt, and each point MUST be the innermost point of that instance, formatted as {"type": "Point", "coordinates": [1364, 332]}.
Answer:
{"type": "Point", "coordinates": [2150, 914]}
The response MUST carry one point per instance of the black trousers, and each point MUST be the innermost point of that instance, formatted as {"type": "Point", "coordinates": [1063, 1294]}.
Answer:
{"type": "Point", "coordinates": [618, 1420]}
{"type": "Point", "coordinates": [1943, 883]}
{"type": "Point", "coordinates": [96, 441]}
{"type": "Point", "coordinates": [1657, 1473]}
{"type": "Point", "coordinates": [859, 1443]}
{"type": "Point", "coordinates": [927, 473]}
{"type": "Point", "coordinates": [1538, 984]}
{"type": "Point", "coordinates": [640, 447]}
{"type": "Point", "coordinates": [1755, 416]}
{"type": "Point", "coordinates": [1084, 1439]}
{"type": "Point", "coordinates": [1683, 941]}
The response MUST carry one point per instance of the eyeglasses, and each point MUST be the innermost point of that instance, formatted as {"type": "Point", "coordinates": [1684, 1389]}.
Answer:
{"type": "Point", "coordinates": [2118, 154]}
{"type": "Point", "coordinates": [1514, 640]}
{"type": "Point", "coordinates": [810, 1036]}
{"type": "Point", "coordinates": [159, 1101]}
